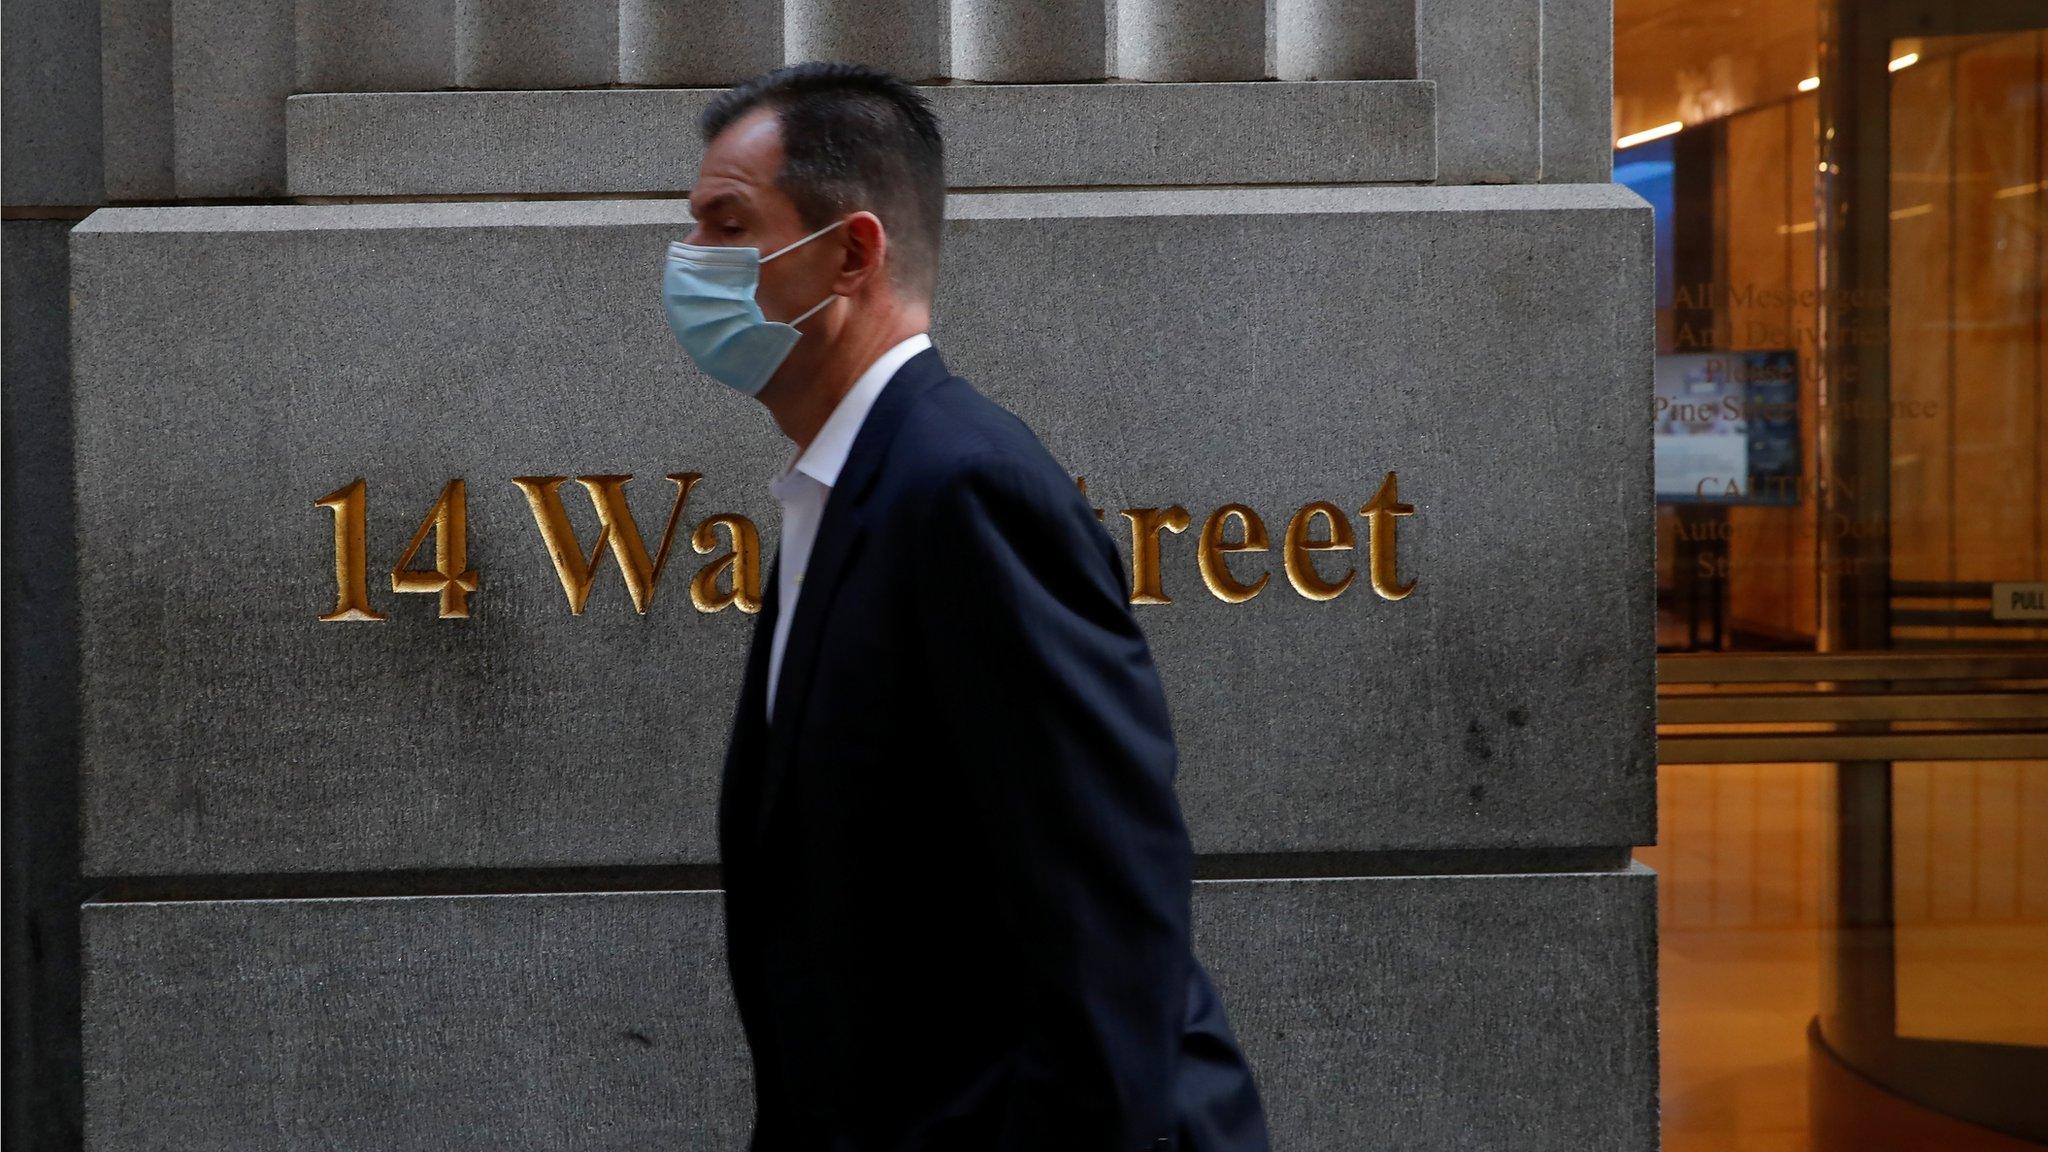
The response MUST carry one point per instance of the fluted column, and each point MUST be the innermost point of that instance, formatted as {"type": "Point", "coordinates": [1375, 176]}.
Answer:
{"type": "Point", "coordinates": [536, 43]}
{"type": "Point", "coordinates": [1344, 39]}
{"type": "Point", "coordinates": [1191, 39]}
{"type": "Point", "coordinates": [374, 45]}
{"type": "Point", "coordinates": [690, 43]}
{"type": "Point", "coordinates": [1027, 40]}
{"type": "Point", "coordinates": [907, 37]}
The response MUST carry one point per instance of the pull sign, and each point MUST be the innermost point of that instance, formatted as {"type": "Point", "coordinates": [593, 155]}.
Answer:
{"type": "Point", "coordinates": [2019, 601]}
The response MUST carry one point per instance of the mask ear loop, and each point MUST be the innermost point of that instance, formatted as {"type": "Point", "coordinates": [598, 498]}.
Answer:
{"type": "Point", "coordinates": [805, 240]}
{"type": "Point", "coordinates": [807, 315]}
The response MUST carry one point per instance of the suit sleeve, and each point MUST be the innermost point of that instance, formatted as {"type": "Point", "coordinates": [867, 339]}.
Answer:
{"type": "Point", "coordinates": [1055, 708]}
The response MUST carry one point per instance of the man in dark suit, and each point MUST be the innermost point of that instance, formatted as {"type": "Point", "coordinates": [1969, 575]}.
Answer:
{"type": "Point", "coordinates": [957, 877]}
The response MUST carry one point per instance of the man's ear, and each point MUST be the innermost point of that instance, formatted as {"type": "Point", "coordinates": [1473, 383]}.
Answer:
{"type": "Point", "coordinates": [867, 252]}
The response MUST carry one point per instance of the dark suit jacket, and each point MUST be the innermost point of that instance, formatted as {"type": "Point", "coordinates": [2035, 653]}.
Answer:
{"type": "Point", "coordinates": [956, 873]}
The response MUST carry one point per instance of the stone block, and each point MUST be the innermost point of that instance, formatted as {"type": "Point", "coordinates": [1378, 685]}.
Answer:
{"type": "Point", "coordinates": [49, 88]}
{"type": "Point", "coordinates": [135, 99]}
{"type": "Point", "coordinates": [1485, 56]}
{"type": "Point", "coordinates": [1410, 1014]}
{"type": "Point", "coordinates": [997, 135]}
{"type": "Point", "coordinates": [1169, 134]}
{"type": "Point", "coordinates": [1191, 39]}
{"type": "Point", "coordinates": [1344, 39]}
{"type": "Point", "coordinates": [231, 69]}
{"type": "Point", "coordinates": [581, 1021]}
{"type": "Point", "coordinates": [1000, 40]}
{"type": "Point", "coordinates": [687, 43]}
{"type": "Point", "coordinates": [907, 37]}
{"type": "Point", "coordinates": [536, 43]}
{"type": "Point", "coordinates": [1267, 347]}
{"type": "Point", "coordinates": [375, 45]}
{"type": "Point", "coordinates": [1578, 91]}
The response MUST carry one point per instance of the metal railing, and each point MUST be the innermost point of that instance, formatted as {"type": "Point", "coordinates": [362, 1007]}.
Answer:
{"type": "Point", "coordinates": [1778, 707]}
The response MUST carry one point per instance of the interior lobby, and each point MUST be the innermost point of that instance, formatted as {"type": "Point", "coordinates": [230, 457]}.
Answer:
{"type": "Point", "coordinates": [1852, 475]}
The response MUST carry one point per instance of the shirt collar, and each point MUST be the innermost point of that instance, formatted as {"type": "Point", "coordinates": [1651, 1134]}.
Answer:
{"type": "Point", "coordinates": [828, 450]}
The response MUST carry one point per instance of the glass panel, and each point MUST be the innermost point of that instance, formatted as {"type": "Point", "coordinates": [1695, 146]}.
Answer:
{"type": "Point", "coordinates": [1742, 859]}
{"type": "Point", "coordinates": [1852, 954]}
{"type": "Point", "coordinates": [1738, 449]}
{"type": "Point", "coordinates": [1736, 434]}
{"type": "Point", "coordinates": [1970, 898]}
{"type": "Point", "coordinates": [1969, 474]}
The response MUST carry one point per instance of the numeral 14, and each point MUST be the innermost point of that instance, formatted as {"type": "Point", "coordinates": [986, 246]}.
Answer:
{"type": "Point", "coordinates": [451, 576]}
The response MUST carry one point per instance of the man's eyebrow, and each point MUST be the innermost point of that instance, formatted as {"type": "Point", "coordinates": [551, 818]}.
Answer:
{"type": "Point", "coordinates": [710, 205]}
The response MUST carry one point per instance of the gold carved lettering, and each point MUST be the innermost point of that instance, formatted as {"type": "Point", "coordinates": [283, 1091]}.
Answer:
{"type": "Point", "coordinates": [742, 565]}
{"type": "Point", "coordinates": [451, 575]}
{"type": "Point", "coordinates": [608, 494]}
{"type": "Point", "coordinates": [351, 577]}
{"type": "Point", "coordinates": [733, 577]}
{"type": "Point", "coordinates": [1146, 580]}
{"type": "Point", "coordinates": [1215, 570]}
{"type": "Point", "coordinates": [1301, 566]}
{"type": "Point", "coordinates": [1384, 560]}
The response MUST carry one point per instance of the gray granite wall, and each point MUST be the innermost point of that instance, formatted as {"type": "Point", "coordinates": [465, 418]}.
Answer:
{"type": "Point", "coordinates": [236, 364]}
{"type": "Point", "coordinates": [51, 174]}
{"type": "Point", "coordinates": [49, 87]}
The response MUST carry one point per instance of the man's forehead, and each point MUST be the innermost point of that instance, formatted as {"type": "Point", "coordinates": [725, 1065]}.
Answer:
{"type": "Point", "coordinates": [740, 165]}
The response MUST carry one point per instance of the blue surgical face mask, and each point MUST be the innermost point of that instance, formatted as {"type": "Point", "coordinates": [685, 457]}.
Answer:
{"type": "Point", "coordinates": [708, 292]}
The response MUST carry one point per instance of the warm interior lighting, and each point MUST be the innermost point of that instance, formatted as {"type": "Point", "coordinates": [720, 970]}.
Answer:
{"type": "Point", "coordinates": [1909, 213]}
{"type": "Point", "coordinates": [1906, 61]}
{"type": "Point", "coordinates": [2020, 190]}
{"type": "Point", "coordinates": [1809, 84]}
{"type": "Point", "coordinates": [1649, 134]}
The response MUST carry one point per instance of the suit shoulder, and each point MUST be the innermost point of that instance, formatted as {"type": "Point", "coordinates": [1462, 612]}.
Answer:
{"type": "Point", "coordinates": [955, 434]}
{"type": "Point", "coordinates": [962, 454]}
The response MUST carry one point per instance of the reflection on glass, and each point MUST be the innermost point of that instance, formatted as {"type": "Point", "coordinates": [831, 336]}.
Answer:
{"type": "Point", "coordinates": [1970, 901]}
{"type": "Point", "coordinates": [1854, 953]}
{"type": "Point", "coordinates": [1969, 379]}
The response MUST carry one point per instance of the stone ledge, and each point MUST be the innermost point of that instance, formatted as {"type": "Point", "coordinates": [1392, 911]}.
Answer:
{"type": "Point", "coordinates": [1104, 204]}
{"type": "Point", "coordinates": [608, 141]}
{"type": "Point", "coordinates": [1396, 1013]}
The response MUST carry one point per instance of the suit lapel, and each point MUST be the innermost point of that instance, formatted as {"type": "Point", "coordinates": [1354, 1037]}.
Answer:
{"type": "Point", "coordinates": [743, 756]}
{"type": "Point", "coordinates": [841, 531]}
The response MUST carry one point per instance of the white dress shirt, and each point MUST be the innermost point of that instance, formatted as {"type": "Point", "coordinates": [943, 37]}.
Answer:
{"type": "Point", "coordinates": [806, 484]}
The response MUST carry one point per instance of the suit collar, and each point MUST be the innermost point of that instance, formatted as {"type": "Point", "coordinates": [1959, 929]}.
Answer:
{"type": "Point", "coordinates": [826, 455]}
{"type": "Point", "coordinates": [841, 532]}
